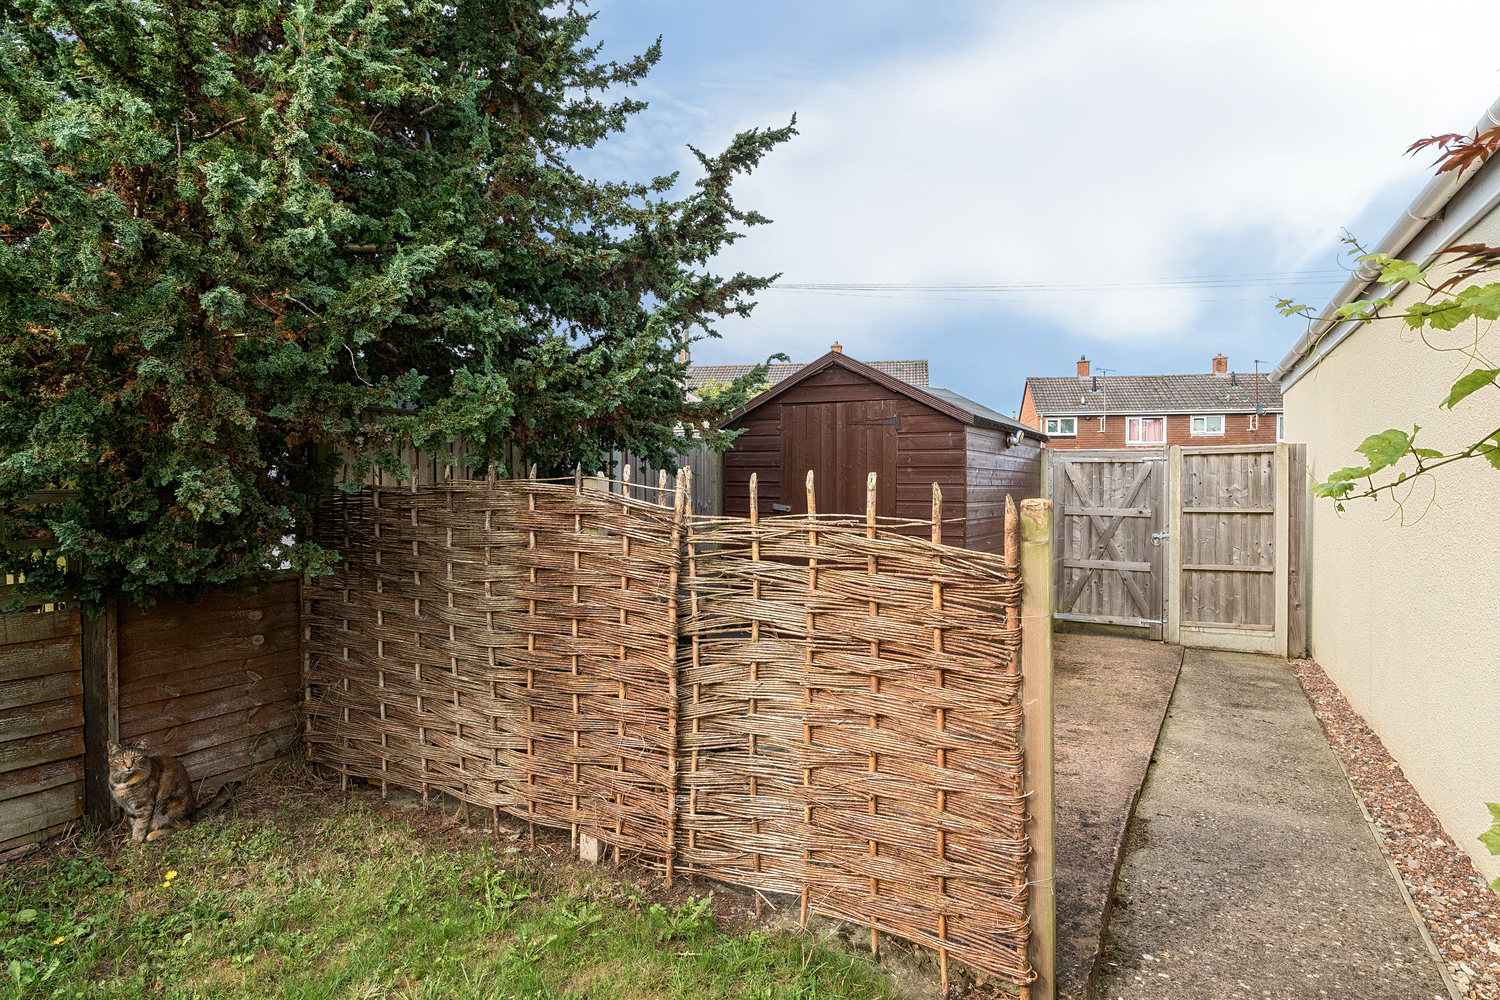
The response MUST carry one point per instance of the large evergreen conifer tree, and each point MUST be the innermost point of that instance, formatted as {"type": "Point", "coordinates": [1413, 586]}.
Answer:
{"type": "Point", "coordinates": [238, 235]}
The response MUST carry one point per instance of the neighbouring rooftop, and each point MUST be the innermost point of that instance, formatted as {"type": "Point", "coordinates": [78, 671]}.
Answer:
{"type": "Point", "coordinates": [1217, 391]}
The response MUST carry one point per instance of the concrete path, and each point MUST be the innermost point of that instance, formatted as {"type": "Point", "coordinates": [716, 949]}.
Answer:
{"type": "Point", "coordinates": [1249, 871]}
{"type": "Point", "coordinates": [1109, 698]}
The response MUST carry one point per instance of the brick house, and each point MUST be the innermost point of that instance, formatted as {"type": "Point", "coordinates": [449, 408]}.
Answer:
{"type": "Point", "coordinates": [1153, 411]}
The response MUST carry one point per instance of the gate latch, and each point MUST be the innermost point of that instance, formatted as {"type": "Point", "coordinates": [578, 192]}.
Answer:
{"type": "Point", "coordinates": [1156, 538]}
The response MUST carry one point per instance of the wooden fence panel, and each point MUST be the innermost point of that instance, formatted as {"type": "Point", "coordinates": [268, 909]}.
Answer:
{"type": "Point", "coordinates": [41, 724]}
{"type": "Point", "coordinates": [1228, 538]}
{"type": "Point", "coordinates": [215, 684]}
{"type": "Point", "coordinates": [814, 707]}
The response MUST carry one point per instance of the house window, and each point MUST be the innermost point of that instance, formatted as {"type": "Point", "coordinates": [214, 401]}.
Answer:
{"type": "Point", "coordinates": [1062, 426]}
{"type": "Point", "coordinates": [1145, 430]}
{"type": "Point", "coordinates": [1280, 427]}
{"type": "Point", "coordinates": [1206, 425]}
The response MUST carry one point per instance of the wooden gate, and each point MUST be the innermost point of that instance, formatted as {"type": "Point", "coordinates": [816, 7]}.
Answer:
{"type": "Point", "coordinates": [1107, 546]}
{"type": "Point", "coordinates": [1199, 546]}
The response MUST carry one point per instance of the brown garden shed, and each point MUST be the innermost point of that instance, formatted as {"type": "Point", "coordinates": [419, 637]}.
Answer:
{"type": "Point", "coordinates": [843, 419]}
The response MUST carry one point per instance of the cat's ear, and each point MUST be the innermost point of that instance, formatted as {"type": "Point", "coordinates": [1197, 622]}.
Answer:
{"type": "Point", "coordinates": [114, 747]}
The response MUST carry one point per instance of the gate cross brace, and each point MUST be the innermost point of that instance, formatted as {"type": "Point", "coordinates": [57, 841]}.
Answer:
{"type": "Point", "coordinates": [1105, 544]}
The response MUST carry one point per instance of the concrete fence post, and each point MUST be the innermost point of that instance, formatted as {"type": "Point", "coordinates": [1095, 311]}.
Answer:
{"type": "Point", "coordinates": [1172, 523]}
{"type": "Point", "coordinates": [1036, 697]}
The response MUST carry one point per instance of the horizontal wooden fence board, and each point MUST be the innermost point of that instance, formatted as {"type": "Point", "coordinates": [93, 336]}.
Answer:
{"type": "Point", "coordinates": [234, 759]}
{"type": "Point", "coordinates": [220, 649]}
{"type": "Point", "coordinates": [203, 733]}
{"type": "Point", "coordinates": [34, 627]}
{"type": "Point", "coordinates": [41, 749]}
{"type": "Point", "coordinates": [210, 704]}
{"type": "Point", "coordinates": [197, 680]}
{"type": "Point", "coordinates": [35, 659]}
{"type": "Point", "coordinates": [36, 720]}
{"type": "Point", "coordinates": [785, 706]}
{"type": "Point", "coordinates": [25, 780]}
{"type": "Point", "coordinates": [191, 626]}
{"type": "Point", "coordinates": [40, 810]}
{"type": "Point", "coordinates": [35, 690]}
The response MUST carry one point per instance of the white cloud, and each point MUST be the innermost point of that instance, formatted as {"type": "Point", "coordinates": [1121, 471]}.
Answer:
{"type": "Point", "coordinates": [1098, 142]}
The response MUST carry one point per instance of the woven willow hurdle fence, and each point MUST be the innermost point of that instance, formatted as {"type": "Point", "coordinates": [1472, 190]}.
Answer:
{"type": "Point", "coordinates": [804, 705]}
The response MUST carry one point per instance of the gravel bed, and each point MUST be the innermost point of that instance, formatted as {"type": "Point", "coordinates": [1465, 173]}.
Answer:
{"type": "Point", "coordinates": [1462, 912]}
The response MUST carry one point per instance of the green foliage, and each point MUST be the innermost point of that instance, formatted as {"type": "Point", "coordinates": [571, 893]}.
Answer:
{"type": "Point", "coordinates": [1441, 310]}
{"type": "Point", "coordinates": [1470, 384]}
{"type": "Point", "coordinates": [713, 391]}
{"type": "Point", "coordinates": [1491, 837]}
{"type": "Point", "coordinates": [240, 236]}
{"type": "Point", "coordinates": [296, 902]}
{"type": "Point", "coordinates": [687, 920]}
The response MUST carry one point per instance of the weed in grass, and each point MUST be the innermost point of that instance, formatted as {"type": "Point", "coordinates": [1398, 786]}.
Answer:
{"type": "Point", "coordinates": [687, 920]}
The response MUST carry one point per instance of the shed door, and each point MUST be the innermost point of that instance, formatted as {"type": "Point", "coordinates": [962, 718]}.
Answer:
{"type": "Point", "coordinates": [841, 444]}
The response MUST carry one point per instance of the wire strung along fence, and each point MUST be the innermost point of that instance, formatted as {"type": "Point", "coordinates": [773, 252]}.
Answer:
{"type": "Point", "coordinates": [808, 705]}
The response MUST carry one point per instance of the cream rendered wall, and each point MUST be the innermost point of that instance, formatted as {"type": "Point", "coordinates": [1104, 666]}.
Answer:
{"type": "Point", "coordinates": [1405, 617]}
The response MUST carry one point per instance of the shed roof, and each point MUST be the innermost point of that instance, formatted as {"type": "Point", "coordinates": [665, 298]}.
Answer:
{"type": "Point", "coordinates": [1233, 393]}
{"type": "Point", "coordinates": [911, 372]}
{"type": "Point", "coordinates": [944, 401]}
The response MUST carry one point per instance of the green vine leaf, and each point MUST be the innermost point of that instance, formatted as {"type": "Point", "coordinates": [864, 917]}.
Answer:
{"type": "Point", "coordinates": [1470, 384]}
{"type": "Point", "coordinates": [1386, 448]}
{"type": "Point", "coordinates": [1491, 837]}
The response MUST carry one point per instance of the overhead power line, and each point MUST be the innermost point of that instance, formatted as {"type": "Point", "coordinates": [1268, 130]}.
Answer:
{"type": "Point", "coordinates": [1279, 279]}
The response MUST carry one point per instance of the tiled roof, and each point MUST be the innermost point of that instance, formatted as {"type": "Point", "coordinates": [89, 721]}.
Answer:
{"type": "Point", "coordinates": [910, 372]}
{"type": "Point", "coordinates": [1154, 394]}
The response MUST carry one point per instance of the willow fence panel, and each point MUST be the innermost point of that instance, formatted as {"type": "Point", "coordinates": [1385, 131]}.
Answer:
{"type": "Point", "coordinates": [826, 708]}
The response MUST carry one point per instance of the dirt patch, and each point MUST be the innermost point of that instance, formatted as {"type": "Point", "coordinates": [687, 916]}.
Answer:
{"type": "Point", "coordinates": [1461, 912]}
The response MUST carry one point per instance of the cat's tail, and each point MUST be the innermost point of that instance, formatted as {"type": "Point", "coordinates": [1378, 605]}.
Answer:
{"type": "Point", "coordinates": [220, 797]}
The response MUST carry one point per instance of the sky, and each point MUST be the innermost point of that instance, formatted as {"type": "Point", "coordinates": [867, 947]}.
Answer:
{"type": "Point", "coordinates": [1135, 181]}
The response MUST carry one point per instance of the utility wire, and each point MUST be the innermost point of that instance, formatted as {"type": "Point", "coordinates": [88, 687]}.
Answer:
{"type": "Point", "coordinates": [1181, 282]}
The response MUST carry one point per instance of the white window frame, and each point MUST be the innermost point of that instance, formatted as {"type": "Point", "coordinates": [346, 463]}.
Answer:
{"type": "Point", "coordinates": [1205, 418]}
{"type": "Point", "coordinates": [1071, 432]}
{"type": "Point", "coordinates": [1280, 428]}
{"type": "Point", "coordinates": [1133, 427]}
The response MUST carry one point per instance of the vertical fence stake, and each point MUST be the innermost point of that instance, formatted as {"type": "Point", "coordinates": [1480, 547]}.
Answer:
{"type": "Point", "coordinates": [754, 666]}
{"type": "Point", "coordinates": [941, 720]}
{"type": "Point", "coordinates": [685, 476]}
{"type": "Point", "coordinates": [1036, 738]}
{"type": "Point", "coordinates": [531, 667]}
{"type": "Point", "coordinates": [807, 665]}
{"type": "Point", "coordinates": [873, 569]}
{"type": "Point", "coordinates": [673, 574]}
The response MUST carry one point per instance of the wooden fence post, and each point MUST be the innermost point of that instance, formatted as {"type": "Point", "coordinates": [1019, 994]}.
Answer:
{"type": "Point", "coordinates": [1282, 551]}
{"type": "Point", "coordinates": [101, 708]}
{"type": "Point", "coordinates": [1036, 694]}
{"type": "Point", "coordinates": [1172, 524]}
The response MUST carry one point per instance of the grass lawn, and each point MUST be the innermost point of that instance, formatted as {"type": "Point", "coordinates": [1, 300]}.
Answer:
{"type": "Point", "coordinates": [299, 891]}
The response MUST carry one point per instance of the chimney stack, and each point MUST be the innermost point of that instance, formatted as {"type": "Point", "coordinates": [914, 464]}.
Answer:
{"type": "Point", "coordinates": [1221, 365]}
{"type": "Point", "coordinates": [1083, 366]}
{"type": "Point", "coordinates": [837, 348]}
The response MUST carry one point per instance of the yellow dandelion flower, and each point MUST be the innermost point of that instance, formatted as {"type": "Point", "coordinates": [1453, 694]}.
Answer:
{"type": "Point", "coordinates": [60, 940]}
{"type": "Point", "coordinates": [171, 875]}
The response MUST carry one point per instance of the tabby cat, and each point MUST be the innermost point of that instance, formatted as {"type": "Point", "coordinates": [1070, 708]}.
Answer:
{"type": "Point", "coordinates": [155, 792]}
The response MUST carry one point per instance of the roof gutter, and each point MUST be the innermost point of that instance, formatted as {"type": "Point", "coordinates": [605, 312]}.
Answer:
{"type": "Point", "coordinates": [1427, 206]}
